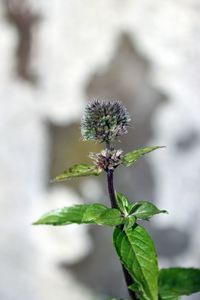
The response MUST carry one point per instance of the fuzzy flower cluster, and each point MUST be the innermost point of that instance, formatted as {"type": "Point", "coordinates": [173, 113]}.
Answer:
{"type": "Point", "coordinates": [104, 121]}
{"type": "Point", "coordinates": [107, 159]}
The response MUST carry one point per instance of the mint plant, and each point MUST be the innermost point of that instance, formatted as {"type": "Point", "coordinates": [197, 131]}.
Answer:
{"type": "Point", "coordinates": [106, 122]}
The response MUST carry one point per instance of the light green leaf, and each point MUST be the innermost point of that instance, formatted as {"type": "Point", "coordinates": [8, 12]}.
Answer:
{"type": "Point", "coordinates": [78, 171]}
{"type": "Point", "coordinates": [82, 214]}
{"type": "Point", "coordinates": [111, 217]}
{"type": "Point", "coordinates": [122, 202]}
{"type": "Point", "coordinates": [136, 251]}
{"type": "Point", "coordinates": [131, 157]}
{"type": "Point", "coordinates": [129, 222]}
{"type": "Point", "coordinates": [176, 282]}
{"type": "Point", "coordinates": [144, 210]}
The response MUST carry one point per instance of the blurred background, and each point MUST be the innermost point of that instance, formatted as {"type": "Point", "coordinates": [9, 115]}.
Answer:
{"type": "Point", "coordinates": [54, 57]}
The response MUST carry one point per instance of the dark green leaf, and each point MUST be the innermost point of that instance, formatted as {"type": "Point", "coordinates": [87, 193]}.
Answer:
{"type": "Point", "coordinates": [133, 287]}
{"type": "Point", "coordinates": [136, 251]}
{"type": "Point", "coordinates": [122, 202]}
{"type": "Point", "coordinates": [85, 213]}
{"type": "Point", "coordinates": [78, 171]}
{"type": "Point", "coordinates": [176, 282]}
{"type": "Point", "coordinates": [145, 210]}
{"type": "Point", "coordinates": [131, 157]}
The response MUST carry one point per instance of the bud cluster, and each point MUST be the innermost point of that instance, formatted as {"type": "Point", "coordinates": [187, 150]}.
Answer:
{"type": "Point", "coordinates": [104, 121]}
{"type": "Point", "coordinates": [107, 159]}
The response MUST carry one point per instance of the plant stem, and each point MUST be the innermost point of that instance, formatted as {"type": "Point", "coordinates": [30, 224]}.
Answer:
{"type": "Point", "coordinates": [111, 188]}
{"type": "Point", "coordinates": [113, 201]}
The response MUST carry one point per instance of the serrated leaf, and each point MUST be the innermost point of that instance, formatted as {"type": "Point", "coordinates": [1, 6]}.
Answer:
{"type": "Point", "coordinates": [131, 157]}
{"type": "Point", "coordinates": [145, 210]}
{"type": "Point", "coordinates": [122, 202]}
{"type": "Point", "coordinates": [136, 251]}
{"type": "Point", "coordinates": [176, 282]}
{"type": "Point", "coordinates": [82, 214]}
{"type": "Point", "coordinates": [78, 171]}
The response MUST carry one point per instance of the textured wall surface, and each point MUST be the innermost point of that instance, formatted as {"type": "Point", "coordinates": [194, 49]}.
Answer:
{"type": "Point", "coordinates": [54, 56]}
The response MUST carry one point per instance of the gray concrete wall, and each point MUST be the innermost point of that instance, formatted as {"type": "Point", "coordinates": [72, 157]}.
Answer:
{"type": "Point", "coordinates": [54, 57]}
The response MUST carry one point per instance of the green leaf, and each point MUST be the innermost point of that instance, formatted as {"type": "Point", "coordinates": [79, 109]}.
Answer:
{"type": "Point", "coordinates": [144, 210]}
{"type": "Point", "coordinates": [78, 171]}
{"type": "Point", "coordinates": [129, 222]}
{"type": "Point", "coordinates": [133, 287]}
{"type": "Point", "coordinates": [122, 202]}
{"type": "Point", "coordinates": [136, 251]}
{"type": "Point", "coordinates": [176, 282]}
{"type": "Point", "coordinates": [169, 297]}
{"type": "Point", "coordinates": [131, 157]}
{"type": "Point", "coordinates": [82, 214]}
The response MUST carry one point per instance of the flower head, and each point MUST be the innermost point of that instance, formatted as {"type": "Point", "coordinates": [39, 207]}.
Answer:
{"type": "Point", "coordinates": [104, 121]}
{"type": "Point", "coordinates": [107, 159]}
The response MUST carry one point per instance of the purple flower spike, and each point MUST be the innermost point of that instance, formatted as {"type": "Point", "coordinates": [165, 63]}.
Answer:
{"type": "Point", "coordinates": [104, 121]}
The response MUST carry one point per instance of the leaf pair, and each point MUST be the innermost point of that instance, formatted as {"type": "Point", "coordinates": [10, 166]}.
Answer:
{"type": "Point", "coordinates": [82, 170]}
{"type": "Point", "coordinates": [100, 214]}
{"type": "Point", "coordinates": [133, 245]}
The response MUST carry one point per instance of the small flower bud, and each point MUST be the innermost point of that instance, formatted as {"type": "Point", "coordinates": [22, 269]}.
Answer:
{"type": "Point", "coordinates": [104, 121]}
{"type": "Point", "coordinates": [107, 159]}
